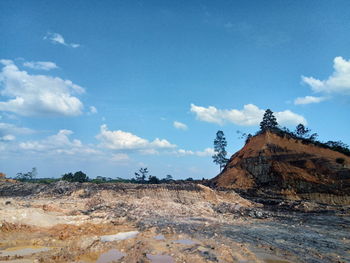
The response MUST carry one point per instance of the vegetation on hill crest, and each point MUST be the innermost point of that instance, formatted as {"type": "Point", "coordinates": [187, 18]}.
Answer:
{"type": "Point", "coordinates": [302, 133]}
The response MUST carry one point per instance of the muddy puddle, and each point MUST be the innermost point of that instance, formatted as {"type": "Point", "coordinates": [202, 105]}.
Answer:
{"type": "Point", "coordinates": [119, 236]}
{"type": "Point", "coordinates": [159, 237]}
{"type": "Point", "coordinates": [187, 242]}
{"type": "Point", "coordinates": [22, 251]}
{"type": "Point", "coordinates": [160, 258]}
{"type": "Point", "coordinates": [110, 256]}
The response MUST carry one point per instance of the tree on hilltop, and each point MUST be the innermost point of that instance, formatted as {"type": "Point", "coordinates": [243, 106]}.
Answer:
{"type": "Point", "coordinates": [220, 144]}
{"type": "Point", "coordinates": [269, 121]}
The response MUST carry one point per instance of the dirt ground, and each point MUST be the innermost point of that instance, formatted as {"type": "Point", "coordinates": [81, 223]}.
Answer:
{"type": "Point", "coordinates": [160, 224]}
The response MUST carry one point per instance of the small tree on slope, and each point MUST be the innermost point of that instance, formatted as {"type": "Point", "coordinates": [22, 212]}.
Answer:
{"type": "Point", "coordinates": [302, 131]}
{"type": "Point", "coordinates": [219, 147]}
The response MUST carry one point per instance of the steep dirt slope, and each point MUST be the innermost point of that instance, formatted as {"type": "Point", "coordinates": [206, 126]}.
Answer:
{"type": "Point", "coordinates": [280, 165]}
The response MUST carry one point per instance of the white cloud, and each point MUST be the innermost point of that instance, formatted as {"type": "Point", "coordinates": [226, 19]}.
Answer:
{"type": "Point", "coordinates": [338, 82]}
{"type": "Point", "coordinates": [8, 128]}
{"type": "Point", "coordinates": [8, 137]}
{"type": "Point", "coordinates": [59, 143]}
{"type": "Point", "coordinates": [180, 125]}
{"type": "Point", "coordinates": [308, 100]}
{"type": "Point", "coordinates": [183, 152]}
{"type": "Point", "coordinates": [149, 152]}
{"type": "Point", "coordinates": [204, 153]}
{"type": "Point", "coordinates": [58, 39]}
{"type": "Point", "coordinates": [40, 65]}
{"type": "Point", "coordinates": [120, 157]}
{"type": "Point", "coordinates": [250, 115]}
{"type": "Point", "coordinates": [288, 117]}
{"type": "Point", "coordinates": [38, 94]}
{"type": "Point", "coordinates": [120, 140]}
{"type": "Point", "coordinates": [93, 110]}
{"type": "Point", "coordinates": [161, 143]}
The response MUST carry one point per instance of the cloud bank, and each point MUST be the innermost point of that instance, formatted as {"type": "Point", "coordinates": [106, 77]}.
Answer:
{"type": "Point", "coordinates": [59, 143]}
{"type": "Point", "coordinates": [250, 115]}
{"type": "Point", "coordinates": [33, 95]}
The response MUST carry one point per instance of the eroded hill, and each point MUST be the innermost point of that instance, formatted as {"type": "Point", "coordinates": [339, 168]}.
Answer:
{"type": "Point", "coordinates": [287, 167]}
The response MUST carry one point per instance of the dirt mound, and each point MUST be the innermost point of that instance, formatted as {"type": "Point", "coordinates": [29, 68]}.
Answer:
{"type": "Point", "coordinates": [287, 167]}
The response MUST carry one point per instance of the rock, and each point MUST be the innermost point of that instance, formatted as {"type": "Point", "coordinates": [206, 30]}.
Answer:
{"type": "Point", "coordinates": [88, 242]}
{"type": "Point", "coordinates": [237, 210]}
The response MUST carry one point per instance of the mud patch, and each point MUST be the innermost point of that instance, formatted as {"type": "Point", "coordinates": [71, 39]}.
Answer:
{"type": "Point", "coordinates": [110, 256]}
{"type": "Point", "coordinates": [119, 236]}
{"type": "Point", "coordinates": [186, 242]}
{"type": "Point", "coordinates": [24, 251]}
{"type": "Point", "coordinates": [160, 258]}
{"type": "Point", "coordinates": [159, 237]}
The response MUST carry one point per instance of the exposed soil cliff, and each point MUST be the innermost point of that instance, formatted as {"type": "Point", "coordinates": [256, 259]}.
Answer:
{"type": "Point", "coordinates": [287, 167]}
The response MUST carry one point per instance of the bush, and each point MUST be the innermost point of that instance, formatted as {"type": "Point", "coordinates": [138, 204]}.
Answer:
{"type": "Point", "coordinates": [25, 177]}
{"type": "Point", "coordinates": [153, 180]}
{"type": "Point", "coordinates": [76, 177]}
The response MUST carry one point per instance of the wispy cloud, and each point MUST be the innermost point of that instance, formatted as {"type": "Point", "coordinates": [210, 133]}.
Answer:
{"type": "Point", "coordinates": [206, 152]}
{"type": "Point", "coordinates": [8, 128]}
{"type": "Point", "coordinates": [265, 38]}
{"type": "Point", "coordinates": [250, 115]}
{"type": "Point", "coordinates": [32, 95]}
{"type": "Point", "coordinates": [308, 100]}
{"type": "Point", "coordinates": [40, 65]}
{"type": "Point", "coordinates": [7, 138]}
{"type": "Point", "coordinates": [120, 157]}
{"type": "Point", "coordinates": [57, 38]}
{"type": "Point", "coordinates": [180, 126]}
{"type": "Point", "coordinates": [92, 110]}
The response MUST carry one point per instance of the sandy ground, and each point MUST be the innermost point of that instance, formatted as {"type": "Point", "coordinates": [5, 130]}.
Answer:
{"type": "Point", "coordinates": [135, 225]}
{"type": "Point", "coordinates": [74, 228]}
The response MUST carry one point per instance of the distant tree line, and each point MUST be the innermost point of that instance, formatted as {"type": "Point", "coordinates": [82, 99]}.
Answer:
{"type": "Point", "coordinates": [142, 176]}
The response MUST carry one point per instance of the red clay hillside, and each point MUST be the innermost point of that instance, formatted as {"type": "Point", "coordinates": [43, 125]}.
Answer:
{"type": "Point", "coordinates": [278, 164]}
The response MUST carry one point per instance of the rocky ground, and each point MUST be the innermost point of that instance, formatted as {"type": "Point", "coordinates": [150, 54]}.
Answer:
{"type": "Point", "coordinates": [72, 222]}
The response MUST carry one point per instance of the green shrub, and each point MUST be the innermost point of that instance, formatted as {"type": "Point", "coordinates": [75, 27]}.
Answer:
{"type": "Point", "coordinates": [76, 177]}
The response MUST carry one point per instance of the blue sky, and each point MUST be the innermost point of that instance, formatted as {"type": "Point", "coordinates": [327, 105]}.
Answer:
{"type": "Point", "coordinates": [107, 87]}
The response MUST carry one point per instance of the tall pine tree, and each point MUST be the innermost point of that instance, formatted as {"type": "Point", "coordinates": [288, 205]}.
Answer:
{"type": "Point", "coordinates": [269, 121]}
{"type": "Point", "coordinates": [220, 144]}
